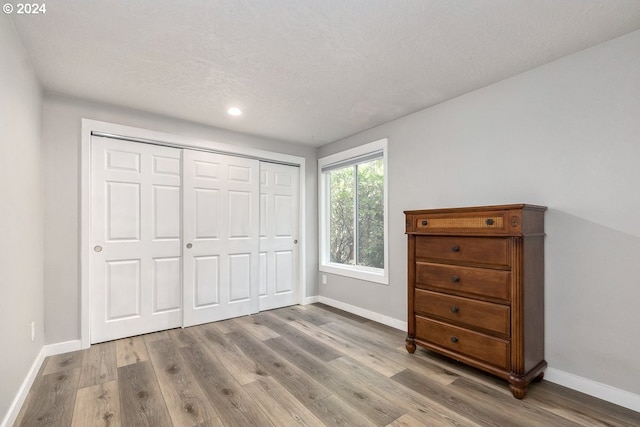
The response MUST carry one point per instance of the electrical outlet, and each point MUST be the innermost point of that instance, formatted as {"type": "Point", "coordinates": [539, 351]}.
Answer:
{"type": "Point", "coordinates": [324, 279]}
{"type": "Point", "coordinates": [33, 331]}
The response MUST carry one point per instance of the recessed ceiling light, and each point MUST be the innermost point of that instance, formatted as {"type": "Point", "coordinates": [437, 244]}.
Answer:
{"type": "Point", "coordinates": [234, 111]}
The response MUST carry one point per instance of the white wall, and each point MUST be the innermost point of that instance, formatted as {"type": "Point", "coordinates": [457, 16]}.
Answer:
{"type": "Point", "coordinates": [61, 139]}
{"type": "Point", "coordinates": [21, 228]}
{"type": "Point", "coordinates": [565, 135]}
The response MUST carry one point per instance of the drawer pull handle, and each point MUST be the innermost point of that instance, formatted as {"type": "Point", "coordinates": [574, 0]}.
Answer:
{"type": "Point", "coordinates": [455, 279]}
{"type": "Point", "coordinates": [489, 221]}
{"type": "Point", "coordinates": [454, 309]}
{"type": "Point", "coordinates": [455, 248]}
{"type": "Point", "coordinates": [454, 340]}
{"type": "Point", "coordinates": [424, 222]}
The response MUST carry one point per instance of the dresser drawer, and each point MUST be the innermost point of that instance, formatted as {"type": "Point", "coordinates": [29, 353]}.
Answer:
{"type": "Point", "coordinates": [493, 222]}
{"type": "Point", "coordinates": [482, 282]}
{"type": "Point", "coordinates": [494, 351]}
{"type": "Point", "coordinates": [490, 317]}
{"type": "Point", "coordinates": [469, 250]}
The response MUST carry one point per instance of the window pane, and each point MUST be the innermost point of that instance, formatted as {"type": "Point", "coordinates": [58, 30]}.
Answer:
{"type": "Point", "coordinates": [371, 214]}
{"type": "Point", "coordinates": [341, 215]}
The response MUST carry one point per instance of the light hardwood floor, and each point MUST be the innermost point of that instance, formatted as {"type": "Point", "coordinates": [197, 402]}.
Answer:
{"type": "Point", "coordinates": [302, 365]}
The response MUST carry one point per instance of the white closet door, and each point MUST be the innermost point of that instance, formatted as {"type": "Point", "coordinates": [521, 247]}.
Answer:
{"type": "Point", "coordinates": [136, 226]}
{"type": "Point", "coordinates": [279, 230]}
{"type": "Point", "coordinates": [221, 220]}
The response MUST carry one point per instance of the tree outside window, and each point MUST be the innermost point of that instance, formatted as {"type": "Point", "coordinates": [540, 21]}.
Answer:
{"type": "Point", "coordinates": [356, 214]}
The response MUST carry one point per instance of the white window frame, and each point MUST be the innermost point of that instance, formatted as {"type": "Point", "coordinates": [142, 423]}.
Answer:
{"type": "Point", "coordinates": [377, 275]}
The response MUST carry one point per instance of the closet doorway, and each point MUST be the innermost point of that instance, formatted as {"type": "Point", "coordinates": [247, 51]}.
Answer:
{"type": "Point", "coordinates": [181, 237]}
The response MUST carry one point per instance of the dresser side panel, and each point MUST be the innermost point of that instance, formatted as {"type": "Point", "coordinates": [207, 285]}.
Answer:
{"type": "Point", "coordinates": [532, 222]}
{"type": "Point", "coordinates": [411, 282]}
{"type": "Point", "coordinates": [533, 304]}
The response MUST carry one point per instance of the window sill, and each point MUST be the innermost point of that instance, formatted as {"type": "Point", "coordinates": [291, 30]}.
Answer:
{"type": "Point", "coordinates": [376, 276]}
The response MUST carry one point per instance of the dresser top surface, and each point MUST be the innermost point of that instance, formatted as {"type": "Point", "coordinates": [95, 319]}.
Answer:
{"type": "Point", "coordinates": [520, 206]}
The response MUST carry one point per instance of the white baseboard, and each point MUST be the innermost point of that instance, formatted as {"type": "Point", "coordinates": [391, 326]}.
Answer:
{"type": "Point", "coordinates": [311, 300]}
{"type": "Point", "coordinates": [367, 314]}
{"type": "Point", "coordinates": [62, 347]}
{"type": "Point", "coordinates": [21, 396]}
{"type": "Point", "coordinates": [594, 388]}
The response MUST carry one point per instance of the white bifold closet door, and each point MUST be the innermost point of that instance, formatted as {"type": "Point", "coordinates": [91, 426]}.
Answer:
{"type": "Point", "coordinates": [221, 225]}
{"type": "Point", "coordinates": [136, 283]}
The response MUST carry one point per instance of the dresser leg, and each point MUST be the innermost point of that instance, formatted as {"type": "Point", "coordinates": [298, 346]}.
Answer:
{"type": "Point", "coordinates": [518, 383]}
{"type": "Point", "coordinates": [410, 344]}
{"type": "Point", "coordinates": [518, 391]}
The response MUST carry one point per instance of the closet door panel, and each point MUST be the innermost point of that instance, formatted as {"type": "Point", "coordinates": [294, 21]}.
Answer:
{"type": "Point", "coordinates": [221, 221]}
{"type": "Point", "coordinates": [279, 256]}
{"type": "Point", "coordinates": [135, 257]}
{"type": "Point", "coordinates": [167, 284]}
{"type": "Point", "coordinates": [206, 279]}
{"type": "Point", "coordinates": [123, 288]}
{"type": "Point", "coordinates": [166, 212]}
{"type": "Point", "coordinates": [240, 277]}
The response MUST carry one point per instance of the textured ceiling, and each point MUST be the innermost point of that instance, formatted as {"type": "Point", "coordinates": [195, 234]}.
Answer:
{"type": "Point", "coordinates": [305, 71]}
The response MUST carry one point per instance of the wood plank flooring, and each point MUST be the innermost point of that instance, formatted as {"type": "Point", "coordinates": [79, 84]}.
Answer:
{"type": "Point", "coordinates": [296, 366]}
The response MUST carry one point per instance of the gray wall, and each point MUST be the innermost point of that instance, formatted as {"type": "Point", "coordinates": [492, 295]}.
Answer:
{"type": "Point", "coordinates": [565, 135]}
{"type": "Point", "coordinates": [61, 139]}
{"type": "Point", "coordinates": [21, 227]}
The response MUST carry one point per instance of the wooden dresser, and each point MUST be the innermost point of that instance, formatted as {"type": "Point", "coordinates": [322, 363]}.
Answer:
{"type": "Point", "coordinates": [476, 288]}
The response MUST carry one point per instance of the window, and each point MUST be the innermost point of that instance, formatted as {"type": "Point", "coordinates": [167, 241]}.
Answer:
{"type": "Point", "coordinates": [353, 213]}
